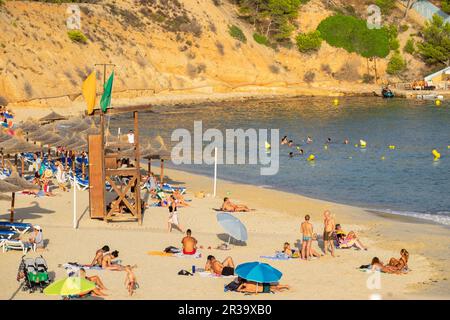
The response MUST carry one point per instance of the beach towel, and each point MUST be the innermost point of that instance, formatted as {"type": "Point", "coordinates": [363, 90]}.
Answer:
{"type": "Point", "coordinates": [277, 256]}
{"type": "Point", "coordinates": [207, 274]}
{"type": "Point", "coordinates": [160, 253]}
{"type": "Point", "coordinates": [73, 268]}
{"type": "Point", "coordinates": [196, 255]}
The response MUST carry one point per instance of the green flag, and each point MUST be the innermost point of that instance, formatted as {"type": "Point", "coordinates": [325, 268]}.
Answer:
{"type": "Point", "coordinates": [107, 91]}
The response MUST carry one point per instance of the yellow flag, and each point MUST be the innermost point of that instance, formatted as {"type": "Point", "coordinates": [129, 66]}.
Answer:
{"type": "Point", "coordinates": [89, 92]}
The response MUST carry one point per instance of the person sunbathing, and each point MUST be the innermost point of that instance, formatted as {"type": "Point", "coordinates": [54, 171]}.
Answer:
{"type": "Point", "coordinates": [377, 265]}
{"type": "Point", "coordinates": [253, 287]}
{"type": "Point", "coordinates": [108, 264]}
{"type": "Point", "coordinates": [231, 207]}
{"type": "Point", "coordinates": [130, 280]}
{"type": "Point", "coordinates": [400, 264]}
{"type": "Point", "coordinates": [348, 240]}
{"type": "Point", "coordinates": [226, 268]}
{"type": "Point", "coordinates": [98, 258]}
{"type": "Point", "coordinates": [99, 286]}
{"type": "Point", "coordinates": [189, 243]}
{"type": "Point", "coordinates": [181, 202]}
{"type": "Point", "coordinates": [292, 253]}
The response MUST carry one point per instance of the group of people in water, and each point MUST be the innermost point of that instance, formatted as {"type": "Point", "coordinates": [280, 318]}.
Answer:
{"type": "Point", "coordinates": [299, 150]}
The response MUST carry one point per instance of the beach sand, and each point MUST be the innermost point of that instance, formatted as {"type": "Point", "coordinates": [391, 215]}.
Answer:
{"type": "Point", "coordinates": [277, 219]}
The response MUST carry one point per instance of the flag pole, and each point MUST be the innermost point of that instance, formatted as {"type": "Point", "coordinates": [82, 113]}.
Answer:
{"type": "Point", "coordinates": [215, 171]}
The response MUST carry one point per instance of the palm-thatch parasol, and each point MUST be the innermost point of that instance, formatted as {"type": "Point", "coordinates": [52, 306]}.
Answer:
{"type": "Point", "coordinates": [16, 145]}
{"type": "Point", "coordinates": [29, 125]}
{"type": "Point", "coordinates": [4, 197]}
{"type": "Point", "coordinates": [15, 180]}
{"type": "Point", "coordinates": [52, 116]}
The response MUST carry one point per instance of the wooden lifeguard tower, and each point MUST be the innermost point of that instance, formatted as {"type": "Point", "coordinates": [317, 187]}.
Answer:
{"type": "Point", "coordinates": [103, 169]}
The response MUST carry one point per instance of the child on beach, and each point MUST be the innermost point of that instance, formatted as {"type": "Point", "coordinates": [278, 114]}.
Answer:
{"type": "Point", "coordinates": [130, 280]}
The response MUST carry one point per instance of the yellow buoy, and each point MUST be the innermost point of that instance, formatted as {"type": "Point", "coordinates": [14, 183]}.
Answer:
{"type": "Point", "coordinates": [438, 102]}
{"type": "Point", "coordinates": [311, 157]}
{"type": "Point", "coordinates": [336, 101]}
{"type": "Point", "coordinates": [267, 145]}
{"type": "Point", "coordinates": [383, 158]}
{"type": "Point", "coordinates": [392, 147]}
{"type": "Point", "coordinates": [436, 154]}
{"type": "Point", "coordinates": [448, 147]}
{"type": "Point", "coordinates": [356, 145]}
{"type": "Point", "coordinates": [362, 143]}
{"type": "Point", "coordinates": [326, 147]}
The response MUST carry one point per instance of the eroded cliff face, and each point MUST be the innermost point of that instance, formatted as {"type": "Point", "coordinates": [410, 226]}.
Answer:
{"type": "Point", "coordinates": [158, 46]}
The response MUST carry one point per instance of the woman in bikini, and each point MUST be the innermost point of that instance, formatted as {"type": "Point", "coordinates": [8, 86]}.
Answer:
{"type": "Point", "coordinates": [253, 287]}
{"type": "Point", "coordinates": [400, 264]}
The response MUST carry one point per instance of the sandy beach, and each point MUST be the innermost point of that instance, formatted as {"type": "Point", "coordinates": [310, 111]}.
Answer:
{"type": "Point", "coordinates": [277, 219]}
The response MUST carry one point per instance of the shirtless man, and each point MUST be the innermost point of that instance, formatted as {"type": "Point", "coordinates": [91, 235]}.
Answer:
{"type": "Point", "coordinates": [130, 280]}
{"type": "Point", "coordinates": [307, 231]}
{"type": "Point", "coordinates": [107, 261]}
{"type": "Point", "coordinates": [231, 207]}
{"type": "Point", "coordinates": [189, 243]}
{"type": "Point", "coordinates": [253, 287]}
{"type": "Point", "coordinates": [99, 256]}
{"type": "Point", "coordinates": [328, 229]}
{"type": "Point", "coordinates": [226, 268]}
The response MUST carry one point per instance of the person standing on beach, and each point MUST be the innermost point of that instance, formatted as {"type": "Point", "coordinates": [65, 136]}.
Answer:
{"type": "Point", "coordinates": [130, 137]}
{"type": "Point", "coordinates": [328, 229]}
{"type": "Point", "coordinates": [307, 231]}
{"type": "Point", "coordinates": [173, 214]}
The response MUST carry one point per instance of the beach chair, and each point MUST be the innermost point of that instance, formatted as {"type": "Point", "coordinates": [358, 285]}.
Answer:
{"type": "Point", "coordinates": [10, 244]}
{"type": "Point", "coordinates": [82, 184]}
{"type": "Point", "coordinates": [6, 234]}
{"type": "Point", "coordinates": [16, 226]}
{"type": "Point", "coordinates": [170, 189]}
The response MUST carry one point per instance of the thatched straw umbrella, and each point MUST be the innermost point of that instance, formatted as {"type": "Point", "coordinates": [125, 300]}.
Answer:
{"type": "Point", "coordinates": [5, 186]}
{"type": "Point", "coordinates": [4, 197]}
{"type": "Point", "coordinates": [52, 116]}
{"type": "Point", "coordinates": [16, 146]}
{"type": "Point", "coordinates": [29, 125]}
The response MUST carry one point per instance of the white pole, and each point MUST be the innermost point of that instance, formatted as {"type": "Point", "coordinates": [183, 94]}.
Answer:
{"type": "Point", "coordinates": [75, 201]}
{"type": "Point", "coordinates": [215, 171]}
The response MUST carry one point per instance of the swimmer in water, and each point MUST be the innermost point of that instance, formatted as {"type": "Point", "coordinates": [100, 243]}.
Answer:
{"type": "Point", "coordinates": [290, 143]}
{"type": "Point", "coordinates": [329, 140]}
{"type": "Point", "coordinates": [284, 140]}
{"type": "Point", "coordinates": [346, 141]}
{"type": "Point", "coordinates": [309, 140]}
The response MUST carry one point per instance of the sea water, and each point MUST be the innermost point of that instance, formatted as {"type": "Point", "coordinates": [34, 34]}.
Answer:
{"type": "Point", "coordinates": [405, 180]}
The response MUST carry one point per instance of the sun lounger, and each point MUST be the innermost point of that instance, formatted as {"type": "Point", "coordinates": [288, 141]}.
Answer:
{"type": "Point", "coordinates": [7, 234]}
{"type": "Point", "coordinates": [10, 244]}
{"type": "Point", "coordinates": [16, 226]}
{"type": "Point", "coordinates": [82, 184]}
{"type": "Point", "coordinates": [170, 189]}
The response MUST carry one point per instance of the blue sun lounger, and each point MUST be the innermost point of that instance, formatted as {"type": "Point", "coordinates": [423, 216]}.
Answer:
{"type": "Point", "coordinates": [15, 226]}
{"type": "Point", "coordinates": [6, 234]}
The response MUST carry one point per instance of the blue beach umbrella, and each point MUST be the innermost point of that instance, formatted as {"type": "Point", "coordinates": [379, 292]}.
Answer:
{"type": "Point", "coordinates": [258, 272]}
{"type": "Point", "coordinates": [233, 226]}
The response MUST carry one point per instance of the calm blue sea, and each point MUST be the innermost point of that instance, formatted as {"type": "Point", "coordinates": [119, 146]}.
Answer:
{"type": "Point", "coordinates": [408, 181]}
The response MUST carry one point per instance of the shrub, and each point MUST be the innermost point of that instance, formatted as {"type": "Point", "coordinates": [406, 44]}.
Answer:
{"type": "Point", "coordinates": [237, 33]}
{"type": "Point", "coordinates": [77, 36]}
{"type": "Point", "coordinates": [220, 48]}
{"type": "Point", "coordinates": [396, 64]}
{"type": "Point", "coordinates": [261, 39]}
{"type": "Point", "coordinates": [409, 46]}
{"type": "Point", "coordinates": [274, 69]}
{"type": "Point", "coordinates": [368, 78]}
{"type": "Point", "coordinates": [326, 69]}
{"type": "Point", "coordinates": [403, 28]}
{"type": "Point", "coordinates": [308, 42]}
{"type": "Point", "coordinates": [217, 2]}
{"type": "Point", "coordinates": [445, 5]}
{"type": "Point", "coordinates": [352, 34]}
{"type": "Point", "coordinates": [386, 6]}
{"type": "Point", "coordinates": [309, 77]}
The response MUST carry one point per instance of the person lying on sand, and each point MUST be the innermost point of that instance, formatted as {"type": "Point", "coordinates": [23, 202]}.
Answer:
{"type": "Point", "coordinates": [400, 264]}
{"type": "Point", "coordinates": [231, 207]}
{"type": "Point", "coordinates": [253, 287]}
{"type": "Point", "coordinates": [226, 268]}
{"type": "Point", "coordinates": [377, 265]}
{"type": "Point", "coordinates": [189, 243]}
{"type": "Point", "coordinates": [98, 283]}
{"type": "Point", "coordinates": [97, 261]}
{"type": "Point", "coordinates": [348, 240]}
{"type": "Point", "coordinates": [130, 280]}
{"type": "Point", "coordinates": [181, 202]}
{"type": "Point", "coordinates": [288, 251]}
{"type": "Point", "coordinates": [107, 261]}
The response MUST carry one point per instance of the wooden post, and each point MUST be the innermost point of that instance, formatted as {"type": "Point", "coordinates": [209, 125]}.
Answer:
{"type": "Point", "coordinates": [137, 188]}
{"type": "Point", "coordinates": [149, 166]}
{"type": "Point", "coordinates": [161, 178]}
{"type": "Point", "coordinates": [66, 164]}
{"type": "Point", "coordinates": [83, 169]}
{"type": "Point", "coordinates": [23, 166]}
{"type": "Point", "coordinates": [102, 133]}
{"type": "Point", "coordinates": [13, 200]}
{"type": "Point", "coordinates": [74, 155]}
